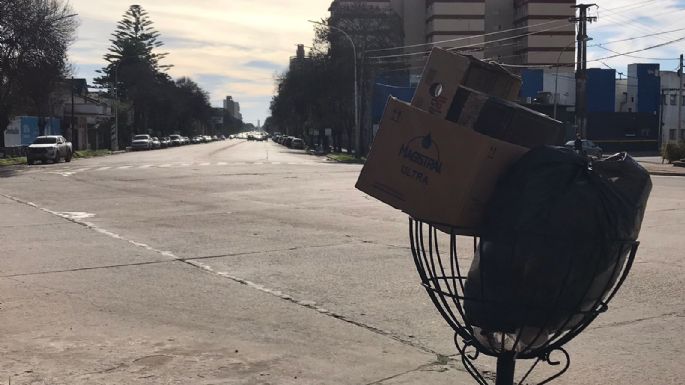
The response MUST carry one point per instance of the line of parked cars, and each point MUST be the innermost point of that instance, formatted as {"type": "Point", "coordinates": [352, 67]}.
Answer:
{"type": "Point", "coordinates": [148, 142]}
{"type": "Point", "coordinates": [289, 141]}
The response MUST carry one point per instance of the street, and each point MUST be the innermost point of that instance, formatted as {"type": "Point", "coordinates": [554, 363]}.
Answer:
{"type": "Point", "coordinates": [242, 262]}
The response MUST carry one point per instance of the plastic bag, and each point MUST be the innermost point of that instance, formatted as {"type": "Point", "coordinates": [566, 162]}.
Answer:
{"type": "Point", "coordinates": [558, 229]}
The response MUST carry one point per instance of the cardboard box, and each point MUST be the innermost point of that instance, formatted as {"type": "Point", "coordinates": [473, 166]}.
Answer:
{"type": "Point", "coordinates": [504, 120]}
{"type": "Point", "coordinates": [434, 170]}
{"type": "Point", "coordinates": [445, 71]}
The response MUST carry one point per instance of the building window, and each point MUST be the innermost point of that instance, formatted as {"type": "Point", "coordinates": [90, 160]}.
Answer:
{"type": "Point", "coordinates": [632, 99]}
{"type": "Point", "coordinates": [673, 100]}
{"type": "Point", "coordinates": [663, 99]}
{"type": "Point", "coordinates": [671, 134]}
{"type": "Point", "coordinates": [682, 101]}
{"type": "Point", "coordinates": [682, 134]}
{"type": "Point", "coordinates": [630, 110]}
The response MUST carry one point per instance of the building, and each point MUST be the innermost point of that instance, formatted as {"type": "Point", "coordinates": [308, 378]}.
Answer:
{"type": "Point", "coordinates": [510, 31]}
{"type": "Point", "coordinates": [670, 106]}
{"type": "Point", "coordinates": [83, 118]}
{"type": "Point", "coordinates": [232, 107]}
{"type": "Point", "coordinates": [547, 36]}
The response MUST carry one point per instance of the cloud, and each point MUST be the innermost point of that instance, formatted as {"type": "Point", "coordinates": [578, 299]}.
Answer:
{"type": "Point", "coordinates": [229, 47]}
{"type": "Point", "coordinates": [265, 64]}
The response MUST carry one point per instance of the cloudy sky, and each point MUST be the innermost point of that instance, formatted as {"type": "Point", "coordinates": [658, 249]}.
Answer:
{"type": "Point", "coordinates": [234, 47]}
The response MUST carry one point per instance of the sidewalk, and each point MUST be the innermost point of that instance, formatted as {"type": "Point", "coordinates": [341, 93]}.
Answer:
{"type": "Point", "coordinates": [663, 169]}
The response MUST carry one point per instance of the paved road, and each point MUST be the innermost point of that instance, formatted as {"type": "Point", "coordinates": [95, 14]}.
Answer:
{"type": "Point", "coordinates": [247, 263]}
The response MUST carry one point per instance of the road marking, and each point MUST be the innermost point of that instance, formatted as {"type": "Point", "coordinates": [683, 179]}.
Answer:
{"type": "Point", "coordinates": [144, 166]}
{"type": "Point", "coordinates": [258, 163]}
{"type": "Point", "coordinates": [75, 217]}
{"type": "Point", "coordinates": [205, 164]}
{"type": "Point", "coordinates": [165, 165]}
{"type": "Point", "coordinates": [103, 168]}
{"type": "Point", "coordinates": [123, 167]}
{"type": "Point", "coordinates": [276, 163]}
{"type": "Point", "coordinates": [185, 165]}
{"type": "Point", "coordinates": [222, 164]}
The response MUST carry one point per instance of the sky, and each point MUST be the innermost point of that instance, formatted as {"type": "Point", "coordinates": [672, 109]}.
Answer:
{"type": "Point", "coordinates": [236, 47]}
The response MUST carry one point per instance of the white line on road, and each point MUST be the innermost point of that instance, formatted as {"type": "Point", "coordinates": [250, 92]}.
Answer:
{"type": "Point", "coordinates": [222, 164]}
{"type": "Point", "coordinates": [71, 217]}
{"type": "Point", "coordinates": [144, 166]}
{"type": "Point", "coordinates": [167, 165]}
{"type": "Point", "coordinates": [205, 164]}
{"type": "Point", "coordinates": [103, 168]}
{"type": "Point", "coordinates": [123, 167]}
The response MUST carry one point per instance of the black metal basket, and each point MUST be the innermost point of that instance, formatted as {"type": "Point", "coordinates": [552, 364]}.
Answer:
{"type": "Point", "coordinates": [445, 280]}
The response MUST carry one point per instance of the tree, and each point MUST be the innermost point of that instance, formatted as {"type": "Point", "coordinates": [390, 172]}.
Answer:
{"type": "Point", "coordinates": [317, 91]}
{"type": "Point", "coordinates": [134, 65]}
{"type": "Point", "coordinates": [34, 38]}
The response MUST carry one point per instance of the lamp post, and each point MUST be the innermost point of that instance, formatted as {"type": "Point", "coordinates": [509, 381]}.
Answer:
{"type": "Point", "coordinates": [357, 128]}
{"type": "Point", "coordinates": [115, 132]}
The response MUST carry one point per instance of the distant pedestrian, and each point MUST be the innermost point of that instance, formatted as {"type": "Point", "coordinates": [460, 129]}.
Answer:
{"type": "Point", "coordinates": [578, 145]}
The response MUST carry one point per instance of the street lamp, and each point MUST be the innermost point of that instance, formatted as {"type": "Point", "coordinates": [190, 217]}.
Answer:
{"type": "Point", "coordinates": [357, 127]}
{"type": "Point", "coordinates": [115, 132]}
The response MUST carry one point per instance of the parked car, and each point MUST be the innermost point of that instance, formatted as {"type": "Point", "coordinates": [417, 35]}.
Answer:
{"type": "Point", "coordinates": [297, 143]}
{"type": "Point", "coordinates": [165, 142]}
{"type": "Point", "coordinates": [222, 137]}
{"type": "Point", "coordinates": [198, 139]}
{"type": "Point", "coordinates": [156, 144]}
{"type": "Point", "coordinates": [53, 147]}
{"type": "Point", "coordinates": [186, 140]}
{"type": "Point", "coordinates": [141, 142]}
{"type": "Point", "coordinates": [288, 141]}
{"type": "Point", "coordinates": [176, 140]}
{"type": "Point", "coordinates": [589, 148]}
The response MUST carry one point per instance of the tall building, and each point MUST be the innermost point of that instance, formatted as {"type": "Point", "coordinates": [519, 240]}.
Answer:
{"type": "Point", "coordinates": [232, 107]}
{"type": "Point", "coordinates": [527, 32]}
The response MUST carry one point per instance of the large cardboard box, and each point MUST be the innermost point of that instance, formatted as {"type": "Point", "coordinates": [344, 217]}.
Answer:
{"type": "Point", "coordinates": [445, 71]}
{"type": "Point", "coordinates": [504, 120]}
{"type": "Point", "coordinates": [434, 170]}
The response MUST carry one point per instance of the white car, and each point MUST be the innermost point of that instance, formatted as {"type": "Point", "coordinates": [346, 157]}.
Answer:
{"type": "Point", "coordinates": [52, 147]}
{"type": "Point", "coordinates": [141, 142]}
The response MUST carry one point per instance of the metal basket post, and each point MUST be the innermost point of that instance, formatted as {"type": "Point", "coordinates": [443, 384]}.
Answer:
{"type": "Point", "coordinates": [445, 281]}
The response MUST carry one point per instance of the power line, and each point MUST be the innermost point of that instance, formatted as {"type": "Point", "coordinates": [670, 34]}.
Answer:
{"type": "Point", "coordinates": [470, 45]}
{"type": "Point", "coordinates": [640, 50]}
{"type": "Point", "coordinates": [636, 37]}
{"type": "Point", "coordinates": [638, 57]}
{"type": "Point", "coordinates": [463, 38]}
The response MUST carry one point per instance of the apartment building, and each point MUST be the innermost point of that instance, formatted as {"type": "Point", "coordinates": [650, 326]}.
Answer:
{"type": "Point", "coordinates": [494, 29]}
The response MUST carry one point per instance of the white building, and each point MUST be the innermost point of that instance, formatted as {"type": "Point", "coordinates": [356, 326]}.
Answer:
{"type": "Point", "coordinates": [669, 108]}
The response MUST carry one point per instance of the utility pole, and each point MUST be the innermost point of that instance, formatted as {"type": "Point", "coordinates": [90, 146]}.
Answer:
{"type": "Point", "coordinates": [581, 65]}
{"type": "Point", "coordinates": [71, 125]}
{"type": "Point", "coordinates": [680, 98]}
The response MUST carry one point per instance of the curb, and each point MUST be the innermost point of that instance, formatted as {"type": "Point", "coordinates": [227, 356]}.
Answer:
{"type": "Point", "coordinates": [661, 173]}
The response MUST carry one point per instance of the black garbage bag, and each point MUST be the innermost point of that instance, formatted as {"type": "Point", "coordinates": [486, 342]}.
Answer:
{"type": "Point", "coordinates": [557, 232]}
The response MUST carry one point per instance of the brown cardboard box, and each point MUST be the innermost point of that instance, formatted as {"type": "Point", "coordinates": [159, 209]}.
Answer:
{"type": "Point", "coordinates": [504, 120]}
{"type": "Point", "coordinates": [445, 71]}
{"type": "Point", "coordinates": [433, 169]}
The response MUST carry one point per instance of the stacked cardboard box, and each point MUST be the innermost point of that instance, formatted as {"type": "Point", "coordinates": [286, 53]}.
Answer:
{"type": "Point", "coordinates": [439, 158]}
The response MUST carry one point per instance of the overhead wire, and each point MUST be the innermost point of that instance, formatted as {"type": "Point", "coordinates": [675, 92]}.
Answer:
{"type": "Point", "coordinates": [471, 45]}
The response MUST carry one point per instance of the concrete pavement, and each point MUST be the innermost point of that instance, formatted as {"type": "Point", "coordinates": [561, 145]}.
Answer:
{"type": "Point", "coordinates": [156, 267]}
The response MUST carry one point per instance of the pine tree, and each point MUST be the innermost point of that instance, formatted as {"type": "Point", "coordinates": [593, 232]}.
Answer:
{"type": "Point", "coordinates": [133, 44]}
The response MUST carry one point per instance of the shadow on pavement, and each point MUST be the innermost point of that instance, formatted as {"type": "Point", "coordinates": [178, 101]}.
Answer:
{"type": "Point", "coordinates": [8, 172]}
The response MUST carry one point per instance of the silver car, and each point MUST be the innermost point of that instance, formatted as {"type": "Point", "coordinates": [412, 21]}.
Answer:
{"type": "Point", "coordinates": [141, 142]}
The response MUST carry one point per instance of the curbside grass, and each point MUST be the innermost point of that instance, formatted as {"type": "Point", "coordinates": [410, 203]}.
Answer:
{"type": "Point", "coordinates": [13, 161]}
